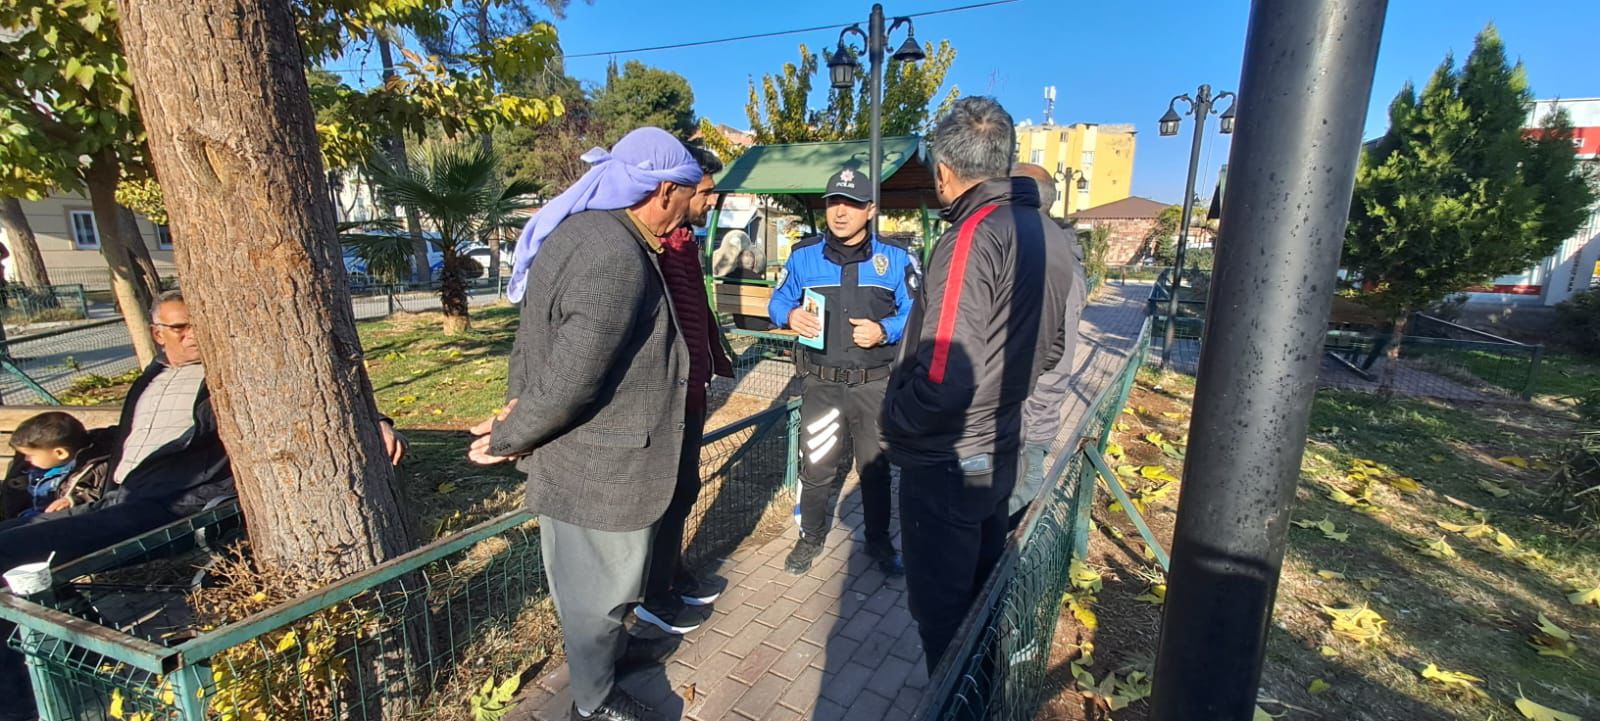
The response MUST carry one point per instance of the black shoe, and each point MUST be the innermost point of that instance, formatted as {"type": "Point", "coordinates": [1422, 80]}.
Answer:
{"type": "Point", "coordinates": [888, 559]}
{"type": "Point", "coordinates": [677, 619]}
{"type": "Point", "coordinates": [805, 551]}
{"type": "Point", "coordinates": [619, 706]}
{"type": "Point", "coordinates": [700, 591]}
{"type": "Point", "coordinates": [645, 653]}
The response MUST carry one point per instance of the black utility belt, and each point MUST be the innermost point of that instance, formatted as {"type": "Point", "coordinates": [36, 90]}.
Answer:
{"type": "Point", "coordinates": [847, 376]}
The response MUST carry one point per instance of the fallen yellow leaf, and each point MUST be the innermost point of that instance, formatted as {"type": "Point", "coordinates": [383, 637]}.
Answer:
{"type": "Point", "coordinates": [1455, 680]}
{"type": "Point", "coordinates": [1552, 640]}
{"type": "Point", "coordinates": [1436, 548]}
{"type": "Point", "coordinates": [1081, 611]}
{"type": "Point", "coordinates": [287, 642]}
{"type": "Point", "coordinates": [1331, 575]}
{"type": "Point", "coordinates": [1536, 712]}
{"type": "Point", "coordinates": [1581, 597]}
{"type": "Point", "coordinates": [1405, 484]}
{"type": "Point", "coordinates": [1357, 624]}
{"type": "Point", "coordinates": [1515, 461]}
{"type": "Point", "coordinates": [1083, 577]}
{"type": "Point", "coordinates": [1317, 686]}
{"type": "Point", "coordinates": [446, 487]}
{"type": "Point", "coordinates": [1156, 596]}
{"type": "Point", "coordinates": [1493, 489]}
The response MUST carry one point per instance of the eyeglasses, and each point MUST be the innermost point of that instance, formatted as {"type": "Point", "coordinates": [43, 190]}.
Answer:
{"type": "Point", "coordinates": [179, 328]}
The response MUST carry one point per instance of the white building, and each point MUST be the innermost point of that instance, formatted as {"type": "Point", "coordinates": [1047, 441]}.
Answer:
{"type": "Point", "coordinates": [1576, 265]}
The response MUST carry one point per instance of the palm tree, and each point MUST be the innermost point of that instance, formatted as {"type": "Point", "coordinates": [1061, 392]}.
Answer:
{"type": "Point", "coordinates": [457, 190]}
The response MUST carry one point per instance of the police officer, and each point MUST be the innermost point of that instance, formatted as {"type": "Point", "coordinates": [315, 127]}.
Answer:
{"type": "Point", "coordinates": [867, 287]}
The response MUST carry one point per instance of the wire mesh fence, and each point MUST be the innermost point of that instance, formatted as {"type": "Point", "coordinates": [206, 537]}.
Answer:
{"type": "Point", "coordinates": [79, 357]}
{"type": "Point", "coordinates": [412, 638]}
{"type": "Point", "coordinates": [22, 305]}
{"type": "Point", "coordinates": [763, 368]}
{"type": "Point", "coordinates": [1436, 358]}
{"type": "Point", "coordinates": [997, 667]}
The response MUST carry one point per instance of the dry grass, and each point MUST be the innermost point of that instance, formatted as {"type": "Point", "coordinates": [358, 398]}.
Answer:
{"type": "Point", "coordinates": [1473, 613]}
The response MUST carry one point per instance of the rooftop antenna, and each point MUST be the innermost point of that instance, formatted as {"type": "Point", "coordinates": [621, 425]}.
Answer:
{"type": "Point", "coordinates": [1049, 104]}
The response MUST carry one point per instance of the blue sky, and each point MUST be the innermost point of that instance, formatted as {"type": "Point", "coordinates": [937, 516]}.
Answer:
{"type": "Point", "coordinates": [1117, 62]}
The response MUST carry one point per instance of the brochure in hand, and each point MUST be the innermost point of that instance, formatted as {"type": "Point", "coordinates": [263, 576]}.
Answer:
{"type": "Point", "coordinates": [816, 305]}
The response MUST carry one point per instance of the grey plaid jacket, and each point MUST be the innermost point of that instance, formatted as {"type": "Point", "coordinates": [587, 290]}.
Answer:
{"type": "Point", "coordinates": [599, 370]}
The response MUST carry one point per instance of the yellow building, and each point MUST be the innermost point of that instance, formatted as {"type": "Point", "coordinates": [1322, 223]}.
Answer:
{"type": "Point", "coordinates": [1099, 159]}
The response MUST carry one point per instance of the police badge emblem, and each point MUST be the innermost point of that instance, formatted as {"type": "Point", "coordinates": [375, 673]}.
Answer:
{"type": "Point", "coordinates": [880, 263]}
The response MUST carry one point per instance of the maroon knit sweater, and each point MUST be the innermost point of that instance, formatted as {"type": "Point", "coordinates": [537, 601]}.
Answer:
{"type": "Point", "coordinates": [686, 284]}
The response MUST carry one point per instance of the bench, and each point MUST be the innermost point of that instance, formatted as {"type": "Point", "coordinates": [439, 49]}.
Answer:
{"type": "Point", "coordinates": [747, 303]}
{"type": "Point", "coordinates": [217, 525]}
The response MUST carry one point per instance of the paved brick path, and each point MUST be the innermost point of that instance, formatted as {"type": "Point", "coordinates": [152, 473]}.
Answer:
{"type": "Point", "coordinates": [837, 643]}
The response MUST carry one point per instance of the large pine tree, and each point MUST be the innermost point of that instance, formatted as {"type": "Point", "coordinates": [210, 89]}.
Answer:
{"type": "Point", "coordinates": [1457, 192]}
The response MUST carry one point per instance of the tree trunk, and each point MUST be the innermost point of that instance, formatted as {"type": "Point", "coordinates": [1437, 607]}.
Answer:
{"type": "Point", "coordinates": [140, 251]}
{"type": "Point", "coordinates": [422, 269]}
{"type": "Point", "coordinates": [453, 294]}
{"type": "Point", "coordinates": [24, 246]}
{"type": "Point", "coordinates": [129, 290]}
{"type": "Point", "coordinates": [222, 88]}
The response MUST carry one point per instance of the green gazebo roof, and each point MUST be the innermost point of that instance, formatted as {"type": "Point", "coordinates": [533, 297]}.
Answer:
{"type": "Point", "coordinates": [802, 170]}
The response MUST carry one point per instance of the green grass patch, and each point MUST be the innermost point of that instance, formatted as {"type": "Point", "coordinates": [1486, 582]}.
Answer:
{"type": "Point", "coordinates": [424, 379]}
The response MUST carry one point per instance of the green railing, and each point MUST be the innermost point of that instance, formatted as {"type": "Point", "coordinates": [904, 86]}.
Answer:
{"type": "Point", "coordinates": [415, 636]}
{"type": "Point", "coordinates": [997, 666]}
{"type": "Point", "coordinates": [20, 304]}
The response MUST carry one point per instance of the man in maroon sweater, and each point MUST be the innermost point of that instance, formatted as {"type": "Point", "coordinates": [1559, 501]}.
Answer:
{"type": "Point", "coordinates": [674, 600]}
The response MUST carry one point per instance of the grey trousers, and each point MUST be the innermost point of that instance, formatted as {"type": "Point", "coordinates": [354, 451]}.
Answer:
{"type": "Point", "coordinates": [594, 577]}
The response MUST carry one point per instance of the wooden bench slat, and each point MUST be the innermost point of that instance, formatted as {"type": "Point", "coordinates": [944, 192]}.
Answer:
{"type": "Point", "coordinates": [743, 299]}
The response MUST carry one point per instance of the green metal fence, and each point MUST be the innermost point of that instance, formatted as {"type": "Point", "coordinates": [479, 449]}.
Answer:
{"type": "Point", "coordinates": [997, 667]}
{"type": "Point", "coordinates": [413, 637]}
{"type": "Point", "coordinates": [20, 304]}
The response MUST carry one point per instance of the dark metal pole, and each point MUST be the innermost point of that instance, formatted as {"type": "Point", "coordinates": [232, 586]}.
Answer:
{"type": "Point", "coordinates": [877, 41]}
{"type": "Point", "coordinates": [1307, 77]}
{"type": "Point", "coordinates": [1202, 108]}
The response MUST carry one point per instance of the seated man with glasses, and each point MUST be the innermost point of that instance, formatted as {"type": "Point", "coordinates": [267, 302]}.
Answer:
{"type": "Point", "coordinates": [167, 462]}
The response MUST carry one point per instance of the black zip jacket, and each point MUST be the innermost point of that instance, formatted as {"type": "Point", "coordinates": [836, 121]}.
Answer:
{"type": "Point", "coordinates": [980, 343]}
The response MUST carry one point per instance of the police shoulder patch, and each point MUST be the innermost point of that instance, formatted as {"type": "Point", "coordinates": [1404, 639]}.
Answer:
{"type": "Point", "coordinates": [783, 275]}
{"type": "Point", "coordinates": [880, 263]}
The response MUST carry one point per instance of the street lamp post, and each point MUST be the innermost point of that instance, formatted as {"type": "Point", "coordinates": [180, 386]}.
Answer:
{"type": "Point", "coordinates": [1200, 106]}
{"type": "Point", "coordinates": [843, 69]}
{"type": "Point", "coordinates": [1064, 176]}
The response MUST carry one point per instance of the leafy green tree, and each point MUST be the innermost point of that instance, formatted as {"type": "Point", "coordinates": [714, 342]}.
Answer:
{"type": "Point", "coordinates": [457, 188]}
{"type": "Point", "coordinates": [1161, 242]}
{"type": "Point", "coordinates": [550, 154]}
{"type": "Point", "coordinates": [641, 95]}
{"type": "Point", "coordinates": [68, 121]}
{"type": "Point", "coordinates": [717, 142]}
{"type": "Point", "coordinates": [779, 110]}
{"type": "Point", "coordinates": [1456, 192]}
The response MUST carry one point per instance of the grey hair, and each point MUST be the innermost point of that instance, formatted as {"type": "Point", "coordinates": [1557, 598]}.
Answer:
{"type": "Point", "coordinates": [710, 164]}
{"type": "Point", "coordinates": [976, 139]}
{"type": "Point", "coordinates": [1047, 191]}
{"type": "Point", "coordinates": [163, 298]}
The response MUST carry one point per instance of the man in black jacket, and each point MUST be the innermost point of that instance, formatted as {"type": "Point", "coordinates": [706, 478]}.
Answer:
{"type": "Point", "coordinates": [989, 322]}
{"type": "Point", "coordinates": [168, 463]}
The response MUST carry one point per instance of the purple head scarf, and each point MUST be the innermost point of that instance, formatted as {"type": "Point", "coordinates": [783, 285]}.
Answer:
{"type": "Point", "coordinates": [640, 161]}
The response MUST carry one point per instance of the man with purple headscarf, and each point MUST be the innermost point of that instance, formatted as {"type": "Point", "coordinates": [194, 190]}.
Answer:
{"type": "Point", "coordinates": [595, 403]}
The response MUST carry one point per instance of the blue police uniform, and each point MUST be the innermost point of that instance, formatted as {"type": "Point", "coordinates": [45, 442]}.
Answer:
{"type": "Point", "coordinates": [844, 384]}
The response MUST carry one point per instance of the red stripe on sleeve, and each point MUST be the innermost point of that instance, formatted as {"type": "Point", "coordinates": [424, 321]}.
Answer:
{"type": "Point", "coordinates": [952, 294]}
